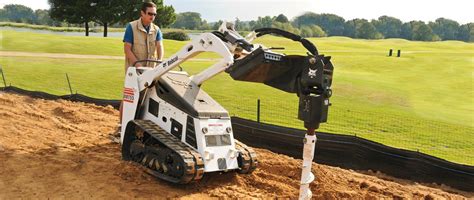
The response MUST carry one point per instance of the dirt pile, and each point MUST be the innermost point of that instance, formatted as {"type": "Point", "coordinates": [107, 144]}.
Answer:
{"type": "Point", "coordinates": [61, 149]}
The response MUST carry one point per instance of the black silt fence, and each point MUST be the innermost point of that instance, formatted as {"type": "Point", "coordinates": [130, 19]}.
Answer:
{"type": "Point", "coordinates": [72, 97]}
{"type": "Point", "coordinates": [352, 152]}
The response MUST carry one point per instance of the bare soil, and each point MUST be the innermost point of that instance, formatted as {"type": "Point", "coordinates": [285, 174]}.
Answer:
{"type": "Point", "coordinates": [61, 149]}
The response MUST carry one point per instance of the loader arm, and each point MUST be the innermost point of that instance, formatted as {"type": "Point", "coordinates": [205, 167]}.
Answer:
{"type": "Point", "coordinates": [223, 42]}
{"type": "Point", "coordinates": [206, 42]}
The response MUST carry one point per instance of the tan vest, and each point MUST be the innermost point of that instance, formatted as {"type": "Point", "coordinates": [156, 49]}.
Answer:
{"type": "Point", "coordinates": [144, 44]}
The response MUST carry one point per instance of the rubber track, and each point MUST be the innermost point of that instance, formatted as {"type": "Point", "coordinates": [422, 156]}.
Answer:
{"type": "Point", "coordinates": [249, 158]}
{"type": "Point", "coordinates": [193, 163]}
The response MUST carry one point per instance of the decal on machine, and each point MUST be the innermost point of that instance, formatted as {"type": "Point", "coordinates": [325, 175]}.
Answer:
{"type": "Point", "coordinates": [128, 95]}
{"type": "Point", "coordinates": [216, 128]}
{"type": "Point", "coordinates": [273, 57]}
{"type": "Point", "coordinates": [312, 73]}
{"type": "Point", "coordinates": [170, 61]}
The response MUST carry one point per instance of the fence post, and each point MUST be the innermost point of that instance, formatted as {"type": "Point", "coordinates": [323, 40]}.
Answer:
{"type": "Point", "coordinates": [258, 110]}
{"type": "Point", "coordinates": [399, 52]}
{"type": "Point", "coordinates": [3, 77]}
{"type": "Point", "coordinates": [69, 83]}
{"type": "Point", "coordinates": [390, 52]}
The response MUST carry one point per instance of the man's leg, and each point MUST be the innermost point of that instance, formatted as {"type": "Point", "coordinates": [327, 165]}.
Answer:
{"type": "Point", "coordinates": [120, 111]}
{"type": "Point", "coordinates": [119, 126]}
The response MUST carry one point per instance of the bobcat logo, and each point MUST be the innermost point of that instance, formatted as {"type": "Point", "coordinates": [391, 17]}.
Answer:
{"type": "Point", "coordinates": [312, 73]}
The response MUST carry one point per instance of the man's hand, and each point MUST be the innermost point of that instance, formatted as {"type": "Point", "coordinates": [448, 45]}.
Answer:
{"type": "Point", "coordinates": [160, 52]}
{"type": "Point", "coordinates": [127, 48]}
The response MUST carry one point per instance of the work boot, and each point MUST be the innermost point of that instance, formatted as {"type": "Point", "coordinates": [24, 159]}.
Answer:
{"type": "Point", "coordinates": [115, 136]}
{"type": "Point", "coordinates": [118, 130]}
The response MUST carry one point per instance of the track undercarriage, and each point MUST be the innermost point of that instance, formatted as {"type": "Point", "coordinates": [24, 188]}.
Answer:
{"type": "Point", "coordinates": [166, 157]}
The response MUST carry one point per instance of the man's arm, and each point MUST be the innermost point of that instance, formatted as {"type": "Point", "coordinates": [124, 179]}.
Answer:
{"type": "Point", "coordinates": [160, 51]}
{"type": "Point", "coordinates": [127, 47]}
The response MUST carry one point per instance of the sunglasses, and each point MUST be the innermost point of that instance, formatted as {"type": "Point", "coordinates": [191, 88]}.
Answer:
{"type": "Point", "coordinates": [151, 14]}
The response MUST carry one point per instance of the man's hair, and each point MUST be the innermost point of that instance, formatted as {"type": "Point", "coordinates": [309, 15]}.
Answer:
{"type": "Point", "coordinates": [146, 5]}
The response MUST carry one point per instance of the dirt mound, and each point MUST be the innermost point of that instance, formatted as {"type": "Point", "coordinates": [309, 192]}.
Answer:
{"type": "Point", "coordinates": [60, 149]}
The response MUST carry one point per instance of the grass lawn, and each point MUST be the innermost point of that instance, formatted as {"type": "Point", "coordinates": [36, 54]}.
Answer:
{"type": "Point", "coordinates": [421, 101]}
{"type": "Point", "coordinates": [81, 29]}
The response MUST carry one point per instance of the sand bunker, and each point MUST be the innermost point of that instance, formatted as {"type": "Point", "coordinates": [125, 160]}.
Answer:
{"type": "Point", "coordinates": [61, 149]}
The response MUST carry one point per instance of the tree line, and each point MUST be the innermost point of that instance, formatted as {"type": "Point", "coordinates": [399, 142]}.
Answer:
{"type": "Point", "coordinates": [106, 12]}
{"type": "Point", "coordinates": [23, 14]}
{"type": "Point", "coordinates": [119, 12]}
{"type": "Point", "coordinates": [320, 25]}
{"type": "Point", "coordinates": [103, 12]}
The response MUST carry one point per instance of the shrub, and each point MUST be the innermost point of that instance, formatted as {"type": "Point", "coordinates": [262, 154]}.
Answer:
{"type": "Point", "coordinates": [176, 35]}
{"type": "Point", "coordinates": [306, 31]}
{"type": "Point", "coordinates": [317, 31]}
{"type": "Point", "coordinates": [312, 31]}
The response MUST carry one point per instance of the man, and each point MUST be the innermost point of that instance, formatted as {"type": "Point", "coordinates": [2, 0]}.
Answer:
{"type": "Point", "coordinates": [142, 40]}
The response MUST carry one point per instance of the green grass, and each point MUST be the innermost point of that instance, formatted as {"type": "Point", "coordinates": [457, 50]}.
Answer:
{"type": "Point", "coordinates": [41, 27]}
{"type": "Point", "coordinates": [82, 29]}
{"type": "Point", "coordinates": [422, 101]}
{"type": "Point", "coordinates": [47, 43]}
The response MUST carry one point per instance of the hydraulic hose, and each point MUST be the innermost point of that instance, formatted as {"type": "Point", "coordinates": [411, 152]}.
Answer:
{"type": "Point", "coordinates": [306, 43]}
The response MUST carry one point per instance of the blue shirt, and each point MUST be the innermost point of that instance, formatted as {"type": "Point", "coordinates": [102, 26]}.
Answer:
{"type": "Point", "coordinates": [128, 37]}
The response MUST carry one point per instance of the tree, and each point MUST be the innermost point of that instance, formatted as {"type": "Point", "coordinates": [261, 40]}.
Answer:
{"type": "Point", "coordinates": [305, 19]}
{"type": "Point", "coordinates": [263, 22]}
{"type": "Point", "coordinates": [75, 12]}
{"type": "Point", "coordinates": [216, 25]}
{"type": "Point", "coordinates": [281, 18]}
{"type": "Point", "coordinates": [252, 24]}
{"type": "Point", "coordinates": [317, 31]}
{"type": "Point", "coordinates": [406, 31]}
{"type": "Point", "coordinates": [390, 27]}
{"type": "Point", "coordinates": [204, 25]}
{"type": "Point", "coordinates": [332, 24]}
{"type": "Point", "coordinates": [446, 29]}
{"type": "Point", "coordinates": [471, 32]}
{"type": "Point", "coordinates": [466, 32]}
{"type": "Point", "coordinates": [306, 31]}
{"type": "Point", "coordinates": [350, 28]}
{"type": "Point", "coordinates": [131, 11]}
{"type": "Point", "coordinates": [361, 28]}
{"type": "Point", "coordinates": [421, 31]}
{"type": "Point", "coordinates": [108, 12]}
{"type": "Point", "coordinates": [366, 30]}
{"type": "Point", "coordinates": [43, 17]}
{"type": "Point", "coordinates": [240, 25]}
{"type": "Point", "coordinates": [17, 13]}
{"type": "Point", "coordinates": [165, 14]}
{"type": "Point", "coordinates": [312, 31]}
{"type": "Point", "coordinates": [287, 27]}
{"type": "Point", "coordinates": [188, 20]}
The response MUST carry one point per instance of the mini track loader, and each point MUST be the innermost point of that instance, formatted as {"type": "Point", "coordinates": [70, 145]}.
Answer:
{"type": "Point", "coordinates": [178, 132]}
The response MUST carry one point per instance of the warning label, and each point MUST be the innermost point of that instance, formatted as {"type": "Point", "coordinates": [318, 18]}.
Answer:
{"type": "Point", "coordinates": [128, 95]}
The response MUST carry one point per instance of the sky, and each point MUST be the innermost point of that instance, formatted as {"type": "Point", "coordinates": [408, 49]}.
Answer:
{"type": "Point", "coordinates": [405, 10]}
